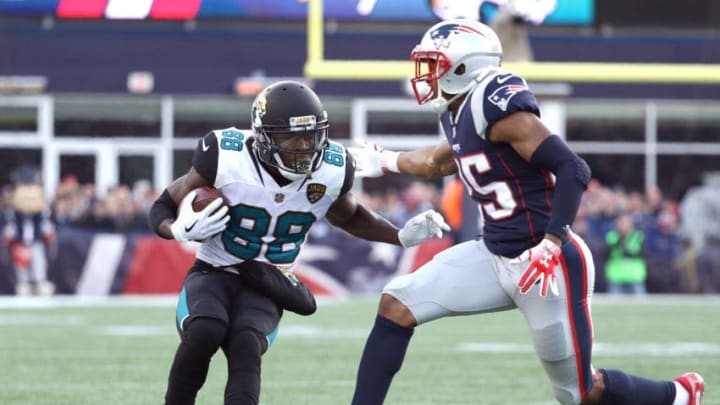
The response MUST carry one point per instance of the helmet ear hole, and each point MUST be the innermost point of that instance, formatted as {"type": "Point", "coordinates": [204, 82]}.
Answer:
{"type": "Point", "coordinates": [460, 70]}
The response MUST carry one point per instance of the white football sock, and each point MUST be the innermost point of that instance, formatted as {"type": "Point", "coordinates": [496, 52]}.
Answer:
{"type": "Point", "coordinates": [682, 396]}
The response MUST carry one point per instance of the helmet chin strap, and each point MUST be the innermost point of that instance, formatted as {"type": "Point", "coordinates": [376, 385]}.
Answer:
{"type": "Point", "coordinates": [288, 174]}
{"type": "Point", "coordinates": [440, 104]}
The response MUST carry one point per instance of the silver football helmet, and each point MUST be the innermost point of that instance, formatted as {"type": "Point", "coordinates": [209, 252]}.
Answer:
{"type": "Point", "coordinates": [451, 57]}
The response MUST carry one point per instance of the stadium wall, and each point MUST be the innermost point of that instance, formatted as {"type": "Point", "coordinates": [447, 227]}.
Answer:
{"type": "Point", "coordinates": [90, 263]}
{"type": "Point", "coordinates": [97, 58]}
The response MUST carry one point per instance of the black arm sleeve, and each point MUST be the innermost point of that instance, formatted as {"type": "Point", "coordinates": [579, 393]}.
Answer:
{"type": "Point", "coordinates": [205, 158]}
{"type": "Point", "coordinates": [349, 175]}
{"type": "Point", "coordinates": [572, 175]}
{"type": "Point", "coordinates": [163, 208]}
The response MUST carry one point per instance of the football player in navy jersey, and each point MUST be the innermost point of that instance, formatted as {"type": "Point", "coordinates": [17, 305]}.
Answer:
{"type": "Point", "coordinates": [528, 184]}
{"type": "Point", "coordinates": [277, 180]}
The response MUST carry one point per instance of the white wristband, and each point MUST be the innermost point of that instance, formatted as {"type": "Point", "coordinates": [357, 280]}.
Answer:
{"type": "Point", "coordinates": [391, 160]}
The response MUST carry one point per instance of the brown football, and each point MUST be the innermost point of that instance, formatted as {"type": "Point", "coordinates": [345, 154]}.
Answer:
{"type": "Point", "coordinates": [205, 195]}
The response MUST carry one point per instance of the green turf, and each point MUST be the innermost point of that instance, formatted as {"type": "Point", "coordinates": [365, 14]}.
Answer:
{"type": "Point", "coordinates": [120, 354]}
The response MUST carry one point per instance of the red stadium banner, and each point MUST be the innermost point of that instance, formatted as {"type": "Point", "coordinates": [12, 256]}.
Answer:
{"type": "Point", "coordinates": [332, 263]}
{"type": "Point", "coordinates": [175, 9]}
{"type": "Point", "coordinates": [158, 267]}
{"type": "Point", "coordinates": [81, 8]}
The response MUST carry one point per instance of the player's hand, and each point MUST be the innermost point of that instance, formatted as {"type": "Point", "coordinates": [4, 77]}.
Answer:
{"type": "Point", "coordinates": [543, 258]}
{"type": "Point", "coordinates": [422, 227]}
{"type": "Point", "coordinates": [373, 161]}
{"type": "Point", "coordinates": [198, 226]}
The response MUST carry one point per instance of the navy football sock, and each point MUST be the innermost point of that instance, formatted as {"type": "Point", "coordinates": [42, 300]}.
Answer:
{"type": "Point", "coordinates": [627, 389]}
{"type": "Point", "coordinates": [383, 355]}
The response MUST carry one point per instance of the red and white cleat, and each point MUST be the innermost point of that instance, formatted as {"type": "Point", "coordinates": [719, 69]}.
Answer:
{"type": "Point", "coordinates": [694, 384]}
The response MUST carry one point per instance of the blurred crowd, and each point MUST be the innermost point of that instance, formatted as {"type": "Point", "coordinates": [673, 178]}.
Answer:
{"type": "Point", "coordinates": [641, 241]}
{"type": "Point", "coordinates": [123, 208]}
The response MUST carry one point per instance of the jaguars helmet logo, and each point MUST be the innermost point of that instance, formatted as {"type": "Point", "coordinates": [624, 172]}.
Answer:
{"type": "Point", "coordinates": [259, 110]}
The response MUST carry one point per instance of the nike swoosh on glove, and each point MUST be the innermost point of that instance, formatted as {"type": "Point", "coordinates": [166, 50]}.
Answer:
{"type": "Point", "coordinates": [201, 225]}
{"type": "Point", "coordinates": [422, 227]}
{"type": "Point", "coordinates": [544, 258]}
{"type": "Point", "coordinates": [373, 161]}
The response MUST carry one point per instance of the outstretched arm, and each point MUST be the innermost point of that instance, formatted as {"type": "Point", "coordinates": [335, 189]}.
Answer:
{"type": "Point", "coordinates": [346, 213]}
{"type": "Point", "coordinates": [429, 162]}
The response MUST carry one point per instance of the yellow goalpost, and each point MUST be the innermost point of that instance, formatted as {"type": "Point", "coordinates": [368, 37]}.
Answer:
{"type": "Point", "coordinates": [317, 67]}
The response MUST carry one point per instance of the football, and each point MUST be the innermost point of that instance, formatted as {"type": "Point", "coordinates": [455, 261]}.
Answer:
{"type": "Point", "coordinates": [205, 195]}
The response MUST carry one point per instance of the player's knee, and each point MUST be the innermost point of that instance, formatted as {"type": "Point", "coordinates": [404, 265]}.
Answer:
{"type": "Point", "coordinates": [246, 346]}
{"type": "Point", "coordinates": [565, 396]}
{"type": "Point", "coordinates": [551, 343]}
{"type": "Point", "coordinates": [204, 334]}
{"type": "Point", "coordinates": [244, 349]}
{"type": "Point", "coordinates": [394, 310]}
{"type": "Point", "coordinates": [592, 397]}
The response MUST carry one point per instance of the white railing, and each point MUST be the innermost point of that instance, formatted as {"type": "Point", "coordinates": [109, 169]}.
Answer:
{"type": "Point", "coordinates": [556, 111]}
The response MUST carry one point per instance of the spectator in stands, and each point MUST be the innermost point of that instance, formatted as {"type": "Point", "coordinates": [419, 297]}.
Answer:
{"type": "Point", "coordinates": [701, 227]}
{"type": "Point", "coordinates": [29, 232]}
{"type": "Point", "coordinates": [663, 249]}
{"type": "Point", "coordinates": [143, 195]}
{"type": "Point", "coordinates": [625, 269]}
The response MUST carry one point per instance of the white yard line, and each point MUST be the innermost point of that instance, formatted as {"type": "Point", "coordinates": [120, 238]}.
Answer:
{"type": "Point", "coordinates": [651, 349]}
{"type": "Point", "coordinates": [170, 300]}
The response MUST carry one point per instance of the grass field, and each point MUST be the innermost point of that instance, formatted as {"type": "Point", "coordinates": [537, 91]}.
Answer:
{"type": "Point", "coordinates": [118, 351]}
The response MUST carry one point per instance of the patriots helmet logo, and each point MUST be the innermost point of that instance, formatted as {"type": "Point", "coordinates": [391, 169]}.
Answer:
{"type": "Point", "coordinates": [443, 34]}
{"type": "Point", "coordinates": [501, 97]}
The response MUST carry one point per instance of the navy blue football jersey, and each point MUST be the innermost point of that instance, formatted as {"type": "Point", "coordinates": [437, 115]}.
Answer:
{"type": "Point", "coordinates": [514, 195]}
{"type": "Point", "coordinates": [25, 227]}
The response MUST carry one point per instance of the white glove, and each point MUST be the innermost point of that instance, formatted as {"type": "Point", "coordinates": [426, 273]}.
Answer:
{"type": "Point", "coordinates": [373, 161]}
{"type": "Point", "coordinates": [198, 226]}
{"type": "Point", "coordinates": [422, 227]}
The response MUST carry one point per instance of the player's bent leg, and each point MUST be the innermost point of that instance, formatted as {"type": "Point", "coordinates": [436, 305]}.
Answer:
{"type": "Point", "coordinates": [561, 327]}
{"type": "Point", "coordinates": [384, 351]}
{"type": "Point", "coordinates": [623, 388]}
{"type": "Point", "coordinates": [200, 339]}
{"type": "Point", "coordinates": [278, 284]}
{"type": "Point", "coordinates": [459, 280]}
{"type": "Point", "coordinates": [243, 350]}
{"type": "Point", "coordinates": [687, 389]}
{"type": "Point", "coordinates": [392, 309]}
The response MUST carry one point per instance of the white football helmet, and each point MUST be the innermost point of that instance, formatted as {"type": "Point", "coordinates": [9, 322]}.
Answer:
{"type": "Point", "coordinates": [450, 58]}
